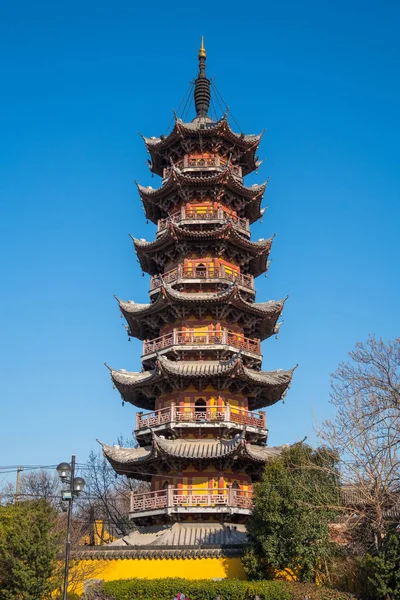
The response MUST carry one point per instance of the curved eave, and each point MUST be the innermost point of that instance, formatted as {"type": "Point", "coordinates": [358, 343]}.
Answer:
{"type": "Point", "coordinates": [158, 147]}
{"type": "Point", "coordinates": [138, 389]}
{"type": "Point", "coordinates": [261, 454]}
{"type": "Point", "coordinates": [177, 179]}
{"type": "Point", "coordinates": [126, 461]}
{"type": "Point", "coordinates": [138, 316]}
{"type": "Point", "coordinates": [139, 462]}
{"type": "Point", "coordinates": [259, 251]}
{"type": "Point", "coordinates": [265, 388]}
{"type": "Point", "coordinates": [208, 129]}
{"type": "Point", "coordinates": [252, 209]}
{"type": "Point", "coordinates": [198, 450]}
{"type": "Point", "coordinates": [268, 387]}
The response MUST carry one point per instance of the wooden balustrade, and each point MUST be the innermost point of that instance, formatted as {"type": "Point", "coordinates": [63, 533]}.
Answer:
{"type": "Point", "coordinates": [172, 498]}
{"type": "Point", "coordinates": [200, 337]}
{"type": "Point", "coordinates": [203, 212]}
{"type": "Point", "coordinates": [199, 163]}
{"type": "Point", "coordinates": [220, 273]}
{"type": "Point", "coordinates": [190, 413]}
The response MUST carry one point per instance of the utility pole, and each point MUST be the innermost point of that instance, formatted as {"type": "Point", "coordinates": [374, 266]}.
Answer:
{"type": "Point", "coordinates": [18, 483]}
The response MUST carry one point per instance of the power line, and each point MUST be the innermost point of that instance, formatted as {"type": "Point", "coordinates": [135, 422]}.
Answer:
{"type": "Point", "coordinates": [220, 99]}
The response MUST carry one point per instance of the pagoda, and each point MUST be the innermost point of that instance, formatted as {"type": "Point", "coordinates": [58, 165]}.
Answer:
{"type": "Point", "coordinates": [201, 433]}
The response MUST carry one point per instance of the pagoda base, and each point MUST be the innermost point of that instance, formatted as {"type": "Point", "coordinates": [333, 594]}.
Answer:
{"type": "Point", "coordinates": [206, 550]}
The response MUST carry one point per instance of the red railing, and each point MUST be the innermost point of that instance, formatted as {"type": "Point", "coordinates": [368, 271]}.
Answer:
{"type": "Point", "coordinates": [202, 213]}
{"type": "Point", "coordinates": [194, 272]}
{"type": "Point", "coordinates": [148, 501]}
{"type": "Point", "coordinates": [172, 498]}
{"type": "Point", "coordinates": [190, 413]}
{"type": "Point", "coordinates": [199, 163]}
{"type": "Point", "coordinates": [200, 337]}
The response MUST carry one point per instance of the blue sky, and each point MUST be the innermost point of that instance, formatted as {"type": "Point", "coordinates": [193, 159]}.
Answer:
{"type": "Point", "coordinates": [78, 81]}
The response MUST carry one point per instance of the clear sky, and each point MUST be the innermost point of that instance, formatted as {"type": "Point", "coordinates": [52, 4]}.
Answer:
{"type": "Point", "coordinates": [78, 80]}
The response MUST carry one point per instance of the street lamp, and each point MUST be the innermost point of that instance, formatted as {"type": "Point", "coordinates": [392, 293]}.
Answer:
{"type": "Point", "coordinates": [72, 487]}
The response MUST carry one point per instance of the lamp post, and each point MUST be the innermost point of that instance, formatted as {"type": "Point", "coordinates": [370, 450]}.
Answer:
{"type": "Point", "coordinates": [73, 486]}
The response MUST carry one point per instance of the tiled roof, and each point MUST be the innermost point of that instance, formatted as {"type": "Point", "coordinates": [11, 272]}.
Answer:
{"type": "Point", "coordinates": [198, 449]}
{"type": "Point", "coordinates": [265, 387]}
{"type": "Point", "coordinates": [175, 231]}
{"type": "Point", "coordinates": [186, 534]}
{"type": "Point", "coordinates": [138, 461]}
{"type": "Point", "coordinates": [225, 177]}
{"type": "Point", "coordinates": [204, 131]}
{"type": "Point", "coordinates": [262, 327]}
{"type": "Point", "coordinates": [207, 128]}
{"type": "Point", "coordinates": [226, 235]}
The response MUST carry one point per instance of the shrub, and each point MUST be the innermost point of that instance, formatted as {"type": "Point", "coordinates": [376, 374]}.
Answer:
{"type": "Point", "coordinates": [382, 571]}
{"type": "Point", "coordinates": [166, 589]}
{"type": "Point", "coordinates": [205, 589]}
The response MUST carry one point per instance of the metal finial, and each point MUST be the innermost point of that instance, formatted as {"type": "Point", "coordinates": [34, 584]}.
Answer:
{"type": "Point", "coordinates": [202, 51]}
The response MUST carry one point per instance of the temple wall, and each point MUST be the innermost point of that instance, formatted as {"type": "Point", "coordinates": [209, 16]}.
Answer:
{"type": "Point", "coordinates": [154, 568]}
{"type": "Point", "coordinates": [201, 325]}
{"type": "Point", "coordinates": [214, 399]}
{"type": "Point", "coordinates": [210, 261]}
{"type": "Point", "coordinates": [207, 480]}
{"type": "Point", "coordinates": [194, 259]}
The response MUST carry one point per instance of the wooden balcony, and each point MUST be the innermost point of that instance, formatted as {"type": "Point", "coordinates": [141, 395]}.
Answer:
{"type": "Point", "coordinates": [193, 415]}
{"type": "Point", "coordinates": [200, 213]}
{"type": "Point", "coordinates": [172, 500]}
{"type": "Point", "coordinates": [192, 338]}
{"type": "Point", "coordinates": [201, 274]}
{"type": "Point", "coordinates": [196, 165]}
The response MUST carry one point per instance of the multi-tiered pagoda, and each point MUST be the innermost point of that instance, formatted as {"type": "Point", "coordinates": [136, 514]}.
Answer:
{"type": "Point", "coordinates": [202, 436]}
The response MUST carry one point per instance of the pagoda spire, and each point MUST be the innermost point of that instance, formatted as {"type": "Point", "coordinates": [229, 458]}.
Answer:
{"type": "Point", "coordinates": [202, 95]}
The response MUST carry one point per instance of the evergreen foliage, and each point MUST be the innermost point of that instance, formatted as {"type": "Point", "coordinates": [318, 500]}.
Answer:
{"type": "Point", "coordinates": [28, 550]}
{"type": "Point", "coordinates": [204, 589]}
{"type": "Point", "coordinates": [293, 508]}
{"type": "Point", "coordinates": [383, 571]}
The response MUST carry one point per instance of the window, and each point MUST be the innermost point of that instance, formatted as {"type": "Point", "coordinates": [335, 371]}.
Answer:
{"type": "Point", "coordinates": [200, 407]}
{"type": "Point", "coordinates": [201, 270]}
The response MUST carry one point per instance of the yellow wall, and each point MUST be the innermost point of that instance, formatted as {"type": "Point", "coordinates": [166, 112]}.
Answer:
{"type": "Point", "coordinates": [153, 568]}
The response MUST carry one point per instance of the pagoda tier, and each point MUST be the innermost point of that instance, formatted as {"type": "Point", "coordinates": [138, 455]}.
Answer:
{"type": "Point", "coordinates": [164, 456]}
{"type": "Point", "coordinates": [204, 275]}
{"type": "Point", "coordinates": [262, 388]}
{"type": "Point", "coordinates": [177, 242]}
{"type": "Point", "coordinates": [215, 137]}
{"type": "Point", "coordinates": [257, 319]}
{"type": "Point", "coordinates": [180, 187]}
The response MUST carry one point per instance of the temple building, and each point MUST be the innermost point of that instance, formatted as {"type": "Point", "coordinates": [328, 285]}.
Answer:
{"type": "Point", "coordinates": [201, 431]}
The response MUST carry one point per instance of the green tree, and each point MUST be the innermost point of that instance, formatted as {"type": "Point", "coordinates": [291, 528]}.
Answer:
{"type": "Point", "coordinates": [383, 570]}
{"type": "Point", "coordinates": [28, 550]}
{"type": "Point", "coordinates": [294, 504]}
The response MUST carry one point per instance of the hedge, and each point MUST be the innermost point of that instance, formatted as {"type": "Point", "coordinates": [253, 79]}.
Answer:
{"type": "Point", "coordinates": [205, 589]}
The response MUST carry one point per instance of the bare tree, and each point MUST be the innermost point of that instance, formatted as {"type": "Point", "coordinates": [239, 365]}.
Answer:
{"type": "Point", "coordinates": [40, 484]}
{"type": "Point", "coordinates": [372, 375]}
{"type": "Point", "coordinates": [365, 431]}
{"type": "Point", "coordinates": [108, 498]}
{"type": "Point", "coordinates": [34, 485]}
